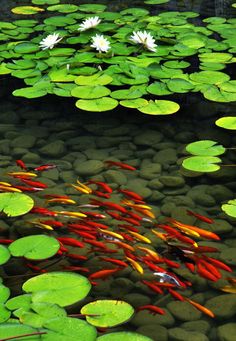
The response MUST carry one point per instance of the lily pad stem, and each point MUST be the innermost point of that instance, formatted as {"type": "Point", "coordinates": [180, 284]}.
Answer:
{"type": "Point", "coordinates": [23, 335]}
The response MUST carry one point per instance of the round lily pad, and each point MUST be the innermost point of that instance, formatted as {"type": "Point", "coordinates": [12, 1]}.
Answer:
{"type": "Point", "coordinates": [127, 94]}
{"type": "Point", "coordinates": [92, 8]}
{"type": "Point", "coordinates": [26, 47]}
{"type": "Point", "coordinates": [90, 92]}
{"type": "Point", "coordinates": [45, 2]}
{"type": "Point", "coordinates": [27, 10]}
{"type": "Point", "coordinates": [126, 336]}
{"type": "Point", "coordinates": [30, 92]}
{"type": "Point", "coordinates": [230, 208]}
{"type": "Point", "coordinates": [62, 288]}
{"type": "Point", "coordinates": [159, 89]}
{"type": "Point", "coordinates": [228, 122]}
{"type": "Point", "coordinates": [16, 329]}
{"type": "Point", "coordinates": [4, 293]}
{"type": "Point", "coordinates": [63, 8]}
{"type": "Point", "coordinates": [205, 148]}
{"type": "Point", "coordinates": [202, 163]}
{"type": "Point", "coordinates": [35, 247]}
{"type": "Point", "coordinates": [209, 77]}
{"type": "Point", "coordinates": [160, 107]}
{"type": "Point", "coordinates": [111, 312]}
{"type": "Point", "coordinates": [15, 204]}
{"type": "Point", "coordinates": [97, 105]}
{"type": "Point", "coordinates": [4, 254]}
{"type": "Point", "coordinates": [96, 79]}
{"type": "Point", "coordinates": [134, 103]}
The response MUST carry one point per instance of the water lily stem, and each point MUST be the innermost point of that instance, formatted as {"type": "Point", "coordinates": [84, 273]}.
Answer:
{"type": "Point", "coordinates": [23, 335]}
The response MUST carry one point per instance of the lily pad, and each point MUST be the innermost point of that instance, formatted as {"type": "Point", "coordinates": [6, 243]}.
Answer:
{"type": "Point", "coordinates": [15, 204]}
{"type": "Point", "coordinates": [45, 2]}
{"type": "Point", "coordinates": [4, 313]}
{"type": "Point", "coordinates": [127, 94]}
{"type": "Point", "coordinates": [126, 336]}
{"type": "Point", "coordinates": [4, 69]}
{"type": "Point", "coordinates": [213, 93]}
{"type": "Point", "coordinates": [16, 329]}
{"type": "Point", "coordinates": [228, 122]}
{"type": "Point", "coordinates": [134, 103]}
{"type": "Point", "coordinates": [27, 10]}
{"type": "Point", "coordinates": [159, 89]}
{"type": "Point", "coordinates": [160, 107]}
{"type": "Point", "coordinates": [63, 8]}
{"type": "Point", "coordinates": [110, 312]}
{"type": "Point", "coordinates": [97, 105]}
{"type": "Point", "coordinates": [92, 8]}
{"type": "Point", "coordinates": [205, 148]}
{"type": "Point", "coordinates": [96, 79]}
{"type": "Point", "coordinates": [4, 255]}
{"type": "Point", "coordinates": [26, 47]}
{"type": "Point", "coordinates": [209, 77]}
{"type": "Point", "coordinates": [179, 85]}
{"type": "Point", "coordinates": [68, 328]}
{"type": "Point", "coordinates": [202, 163]}
{"type": "Point", "coordinates": [230, 208]}
{"type": "Point", "coordinates": [155, 2]}
{"type": "Point", "coordinates": [4, 293]}
{"type": "Point", "coordinates": [30, 92]}
{"type": "Point", "coordinates": [35, 247]}
{"type": "Point", "coordinates": [21, 301]}
{"type": "Point", "coordinates": [90, 92]}
{"type": "Point", "coordinates": [62, 288]}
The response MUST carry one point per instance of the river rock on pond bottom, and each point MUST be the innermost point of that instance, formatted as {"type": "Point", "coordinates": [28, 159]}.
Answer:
{"type": "Point", "coordinates": [227, 332]}
{"type": "Point", "coordinates": [179, 334]}
{"type": "Point", "coordinates": [90, 167]}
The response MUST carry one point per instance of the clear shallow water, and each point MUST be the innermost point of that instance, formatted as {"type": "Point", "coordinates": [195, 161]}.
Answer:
{"type": "Point", "coordinates": [49, 131]}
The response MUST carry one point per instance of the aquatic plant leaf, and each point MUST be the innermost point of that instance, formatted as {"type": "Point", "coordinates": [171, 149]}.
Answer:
{"type": "Point", "coordinates": [4, 256]}
{"type": "Point", "coordinates": [193, 40]}
{"type": "Point", "coordinates": [21, 301]}
{"type": "Point", "coordinates": [179, 85]}
{"type": "Point", "coordinates": [63, 8]}
{"type": "Point", "coordinates": [127, 94]}
{"type": "Point", "coordinates": [229, 86]}
{"type": "Point", "coordinates": [61, 75]}
{"type": "Point", "coordinates": [62, 288]}
{"type": "Point", "coordinates": [160, 107]}
{"type": "Point", "coordinates": [68, 328]}
{"type": "Point", "coordinates": [60, 21]}
{"type": "Point", "coordinates": [92, 8]}
{"type": "Point", "coordinates": [209, 77]}
{"type": "Point", "coordinates": [155, 2]}
{"type": "Point", "coordinates": [230, 208]}
{"type": "Point", "coordinates": [61, 51]}
{"type": "Point", "coordinates": [134, 103]}
{"type": "Point", "coordinates": [30, 92]}
{"type": "Point", "coordinates": [97, 105]}
{"type": "Point", "coordinates": [176, 64]}
{"type": "Point", "coordinates": [4, 69]}
{"type": "Point", "coordinates": [215, 57]}
{"type": "Point", "coordinates": [234, 5]}
{"type": "Point", "coordinates": [4, 314]}
{"type": "Point", "coordinates": [213, 93]}
{"type": "Point", "coordinates": [205, 148]}
{"type": "Point", "coordinates": [15, 204]}
{"type": "Point", "coordinates": [27, 10]}
{"type": "Point", "coordinates": [4, 293]}
{"type": "Point", "coordinates": [34, 247]}
{"type": "Point", "coordinates": [228, 122]}
{"type": "Point", "coordinates": [16, 329]}
{"type": "Point", "coordinates": [90, 92]}
{"type": "Point", "coordinates": [111, 312]}
{"type": "Point", "coordinates": [25, 22]}
{"type": "Point", "coordinates": [26, 47]}
{"type": "Point", "coordinates": [202, 163]}
{"type": "Point", "coordinates": [159, 89]}
{"type": "Point", "coordinates": [126, 336]}
{"type": "Point", "coordinates": [95, 79]}
{"type": "Point", "coordinates": [45, 2]}
{"type": "Point", "coordinates": [212, 66]}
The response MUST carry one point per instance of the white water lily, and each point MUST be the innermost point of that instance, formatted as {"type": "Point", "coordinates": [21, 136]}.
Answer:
{"type": "Point", "coordinates": [100, 43]}
{"type": "Point", "coordinates": [144, 38]}
{"type": "Point", "coordinates": [50, 41]}
{"type": "Point", "coordinates": [89, 23]}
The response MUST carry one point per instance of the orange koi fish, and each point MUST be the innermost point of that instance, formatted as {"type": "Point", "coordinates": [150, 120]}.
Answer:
{"type": "Point", "coordinates": [176, 295]}
{"type": "Point", "coordinates": [135, 265]}
{"type": "Point", "coordinates": [122, 245]}
{"type": "Point", "coordinates": [151, 253]}
{"type": "Point", "coordinates": [110, 205]}
{"type": "Point", "coordinates": [200, 217]}
{"type": "Point", "coordinates": [200, 307]}
{"type": "Point", "coordinates": [131, 194]}
{"type": "Point", "coordinates": [159, 235]}
{"type": "Point", "coordinates": [120, 165]}
{"type": "Point", "coordinates": [101, 194]}
{"type": "Point", "coordinates": [153, 287]}
{"type": "Point", "coordinates": [203, 233]}
{"type": "Point", "coordinates": [45, 167]}
{"type": "Point", "coordinates": [105, 187]}
{"type": "Point", "coordinates": [202, 271]}
{"type": "Point", "coordinates": [42, 210]}
{"type": "Point", "coordinates": [96, 243]}
{"type": "Point", "coordinates": [114, 261]}
{"type": "Point", "coordinates": [21, 164]}
{"type": "Point", "coordinates": [9, 189]}
{"type": "Point", "coordinates": [34, 183]}
{"type": "Point", "coordinates": [104, 273]}
{"type": "Point", "coordinates": [70, 241]}
{"type": "Point", "coordinates": [152, 309]}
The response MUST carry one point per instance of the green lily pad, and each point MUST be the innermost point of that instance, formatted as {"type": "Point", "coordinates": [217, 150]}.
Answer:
{"type": "Point", "coordinates": [127, 94]}
{"type": "Point", "coordinates": [61, 75]}
{"type": "Point", "coordinates": [209, 77]}
{"type": "Point", "coordinates": [129, 336]}
{"type": "Point", "coordinates": [45, 2]}
{"type": "Point", "coordinates": [215, 57]}
{"type": "Point", "coordinates": [111, 312]}
{"type": "Point", "coordinates": [62, 288]}
{"type": "Point", "coordinates": [228, 122]}
{"type": "Point", "coordinates": [63, 8]}
{"type": "Point", "coordinates": [25, 22]}
{"type": "Point", "coordinates": [155, 2]}
{"type": "Point", "coordinates": [205, 148]}
{"type": "Point", "coordinates": [179, 85]}
{"type": "Point", "coordinates": [27, 10]}
{"type": "Point", "coordinates": [160, 107]}
{"type": "Point", "coordinates": [59, 21]}
{"type": "Point", "coordinates": [92, 8]}
{"type": "Point", "coordinates": [4, 313]}
{"type": "Point", "coordinates": [4, 69]}
{"type": "Point", "coordinates": [230, 208]}
{"type": "Point", "coordinates": [96, 79]}
{"type": "Point", "coordinates": [26, 47]}
{"type": "Point", "coordinates": [90, 92]}
{"type": "Point", "coordinates": [212, 66]}
{"type": "Point", "coordinates": [68, 328]}
{"type": "Point", "coordinates": [159, 89]}
{"type": "Point", "coordinates": [35, 247]}
{"type": "Point", "coordinates": [229, 86]}
{"type": "Point", "coordinates": [21, 301]}
{"type": "Point", "coordinates": [4, 255]}
{"type": "Point", "coordinates": [30, 92]}
{"type": "Point", "coordinates": [213, 93]}
{"type": "Point", "coordinates": [134, 103]}
{"type": "Point", "coordinates": [202, 163]}
{"type": "Point", "coordinates": [15, 204]}
{"type": "Point", "coordinates": [16, 329]}
{"type": "Point", "coordinates": [97, 105]}
{"type": "Point", "coordinates": [177, 64]}
{"type": "Point", "coordinates": [4, 293]}
{"type": "Point", "coordinates": [193, 40]}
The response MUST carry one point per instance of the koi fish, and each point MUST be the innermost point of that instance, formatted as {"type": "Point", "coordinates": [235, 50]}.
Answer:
{"type": "Point", "coordinates": [200, 217]}
{"type": "Point", "coordinates": [9, 189]}
{"type": "Point", "coordinates": [34, 183]}
{"type": "Point", "coordinates": [70, 241]}
{"type": "Point", "coordinates": [96, 225]}
{"type": "Point", "coordinates": [41, 225]}
{"type": "Point", "coordinates": [140, 237]}
{"type": "Point", "coordinates": [2, 183]}
{"type": "Point", "coordinates": [75, 268]}
{"type": "Point", "coordinates": [53, 223]}
{"type": "Point", "coordinates": [165, 277]}
{"type": "Point", "coordinates": [135, 265]}
{"type": "Point", "coordinates": [122, 245]}
{"type": "Point", "coordinates": [110, 205]}
{"type": "Point", "coordinates": [151, 253]}
{"type": "Point", "coordinates": [106, 188]}
{"type": "Point", "coordinates": [42, 210]}
{"type": "Point", "coordinates": [114, 261]}
{"type": "Point", "coordinates": [56, 196]}
{"type": "Point", "coordinates": [153, 287]}
{"type": "Point", "coordinates": [6, 241]}
{"type": "Point", "coordinates": [22, 174]}
{"type": "Point", "coordinates": [96, 243]}
{"type": "Point", "coordinates": [35, 268]}
{"type": "Point", "coordinates": [111, 233]}
{"type": "Point", "coordinates": [202, 271]}
{"type": "Point", "coordinates": [200, 307]}
{"type": "Point", "coordinates": [77, 257]}
{"type": "Point", "coordinates": [71, 214]}
{"type": "Point", "coordinates": [21, 164]}
{"type": "Point", "coordinates": [82, 189]}
{"type": "Point", "coordinates": [176, 295]}
{"type": "Point", "coordinates": [45, 167]}
{"type": "Point", "coordinates": [217, 263]}
{"type": "Point", "coordinates": [61, 200]}
{"type": "Point", "coordinates": [95, 215]}
{"type": "Point", "coordinates": [101, 194]}
{"type": "Point", "coordinates": [120, 165]}
{"type": "Point", "coordinates": [131, 194]}
{"type": "Point", "coordinates": [128, 227]}
{"type": "Point", "coordinates": [29, 189]}
{"type": "Point", "coordinates": [83, 234]}
{"type": "Point", "coordinates": [104, 273]}
{"type": "Point", "coordinates": [229, 288]}
{"type": "Point", "coordinates": [152, 309]}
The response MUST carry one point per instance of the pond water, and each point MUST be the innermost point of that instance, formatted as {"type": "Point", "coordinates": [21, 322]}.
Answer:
{"type": "Point", "coordinates": [51, 130]}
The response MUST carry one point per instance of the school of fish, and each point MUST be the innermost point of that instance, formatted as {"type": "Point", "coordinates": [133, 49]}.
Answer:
{"type": "Point", "coordinates": [87, 225]}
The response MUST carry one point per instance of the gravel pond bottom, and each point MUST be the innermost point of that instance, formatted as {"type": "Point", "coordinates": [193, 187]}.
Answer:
{"type": "Point", "coordinates": [79, 143]}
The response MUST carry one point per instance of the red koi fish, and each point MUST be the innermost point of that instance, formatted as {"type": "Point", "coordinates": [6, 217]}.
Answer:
{"type": "Point", "coordinates": [114, 261]}
{"type": "Point", "coordinates": [202, 271]}
{"type": "Point", "coordinates": [211, 268]}
{"type": "Point", "coordinates": [152, 309]}
{"type": "Point", "coordinates": [28, 189]}
{"type": "Point", "coordinates": [45, 167]}
{"type": "Point", "coordinates": [21, 164]}
{"type": "Point", "coordinates": [114, 215]}
{"type": "Point", "coordinates": [176, 295]}
{"type": "Point", "coordinates": [35, 268]}
{"type": "Point", "coordinates": [101, 194]}
{"type": "Point", "coordinates": [6, 241]}
{"type": "Point", "coordinates": [110, 205]}
{"type": "Point", "coordinates": [135, 216]}
{"type": "Point", "coordinates": [131, 221]}
{"type": "Point", "coordinates": [128, 227]}
{"type": "Point", "coordinates": [96, 225]}
{"type": "Point", "coordinates": [75, 268]}
{"type": "Point", "coordinates": [70, 241]}
{"type": "Point", "coordinates": [131, 194]}
{"type": "Point", "coordinates": [53, 223]}
{"type": "Point", "coordinates": [96, 243]}
{"type": "Point", "coordinates": [82, 227]}
{"type": "Point", "coordinates": [34, 183]}
{"type": "Point", "coordinates": [201, 217]}
{"type": "Point", "coordinates": [153, 287]}
{"type": "Point", "coordinates": [77, 257]}
{"type": "Point", "coordinates": [104, 273]}
{"type": "Point", "coordinates": [83, 234]}
{"type": "Point", "coordinates": [120, 165]}
{"type": "Point", "coordinates": [217, 263]}
{"type": "Point", "coordinates": [95, 215]}
{"type": "Point", "coordinates": [48, 196]}
{"type": "Point", "coordinates": [42, 210]}
{"type": "Point", "coordinates": [105, 187]}
{"type": "Point", "coordinates": [171, 263]}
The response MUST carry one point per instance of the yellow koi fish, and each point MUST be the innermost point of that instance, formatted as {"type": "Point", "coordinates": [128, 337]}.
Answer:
{"type": "Point", "coordinates": [111, 233]}
{"type": "Point", "coordinates": [22, 174]}
{"type": "Point", "coordinates": [71, 214]}
{"type": "Point", "coordinates": [135, 265]}
{"type": "Point", "coordinates": [140, 237]}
